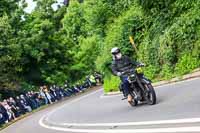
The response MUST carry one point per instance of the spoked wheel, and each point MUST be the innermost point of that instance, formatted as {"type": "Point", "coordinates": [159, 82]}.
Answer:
{"type": "Point", "coordinates": [150, 94]}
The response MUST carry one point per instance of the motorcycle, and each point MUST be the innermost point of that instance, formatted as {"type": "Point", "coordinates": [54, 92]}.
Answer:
{"type": "Point", "coordinates": [140, 87]}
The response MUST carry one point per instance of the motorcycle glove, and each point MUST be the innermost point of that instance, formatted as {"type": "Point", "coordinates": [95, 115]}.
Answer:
{"type": "Point", "coordinates": [119, 74]}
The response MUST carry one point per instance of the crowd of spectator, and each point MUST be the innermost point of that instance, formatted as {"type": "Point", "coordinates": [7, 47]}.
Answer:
{"type": "Point", "coordinates": [13, 107]}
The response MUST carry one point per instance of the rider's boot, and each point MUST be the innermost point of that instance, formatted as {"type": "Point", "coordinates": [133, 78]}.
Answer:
{"type": "Point", "coordinates": [130, 99]}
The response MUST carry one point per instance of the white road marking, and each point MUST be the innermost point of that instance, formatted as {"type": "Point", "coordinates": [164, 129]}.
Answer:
{"type": "Point", "coordinates": [111, 96]}
{"type": "Point", "coordinates": [154, 130]}
{"type": "Point", "coordinates": [147, 130]}
{"type": "Point", "coordinates": [158, 122]}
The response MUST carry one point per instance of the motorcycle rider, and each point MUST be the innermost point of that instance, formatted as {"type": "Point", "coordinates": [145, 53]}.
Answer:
{"type": "Point", "coordinates": [120, 65]}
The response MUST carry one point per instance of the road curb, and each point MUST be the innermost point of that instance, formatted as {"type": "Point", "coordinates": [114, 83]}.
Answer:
{"type": "Point", "coordinates": [195, 73]}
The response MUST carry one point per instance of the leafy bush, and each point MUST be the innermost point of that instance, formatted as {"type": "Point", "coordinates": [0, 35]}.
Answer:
{"type": "Point", "coordinates": [186, 64]}
{"type": "Point", "coordinates": [164, 34]}
{"type": "Point", "coordinates": [167, 71]}
{"type": "Point", "coordinates": [111, 83]}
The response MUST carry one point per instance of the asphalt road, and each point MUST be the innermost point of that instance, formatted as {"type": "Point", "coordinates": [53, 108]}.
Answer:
{"type": "Point", "coordinates": [177, 110]}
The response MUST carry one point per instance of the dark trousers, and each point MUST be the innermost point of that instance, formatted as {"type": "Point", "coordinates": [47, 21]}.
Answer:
{"type": "Point", "coordinates": [125, 86]}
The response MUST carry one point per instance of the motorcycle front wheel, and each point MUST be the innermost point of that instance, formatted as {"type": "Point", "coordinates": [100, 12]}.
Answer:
{"type": "Point", "coordinates": [134, 101]}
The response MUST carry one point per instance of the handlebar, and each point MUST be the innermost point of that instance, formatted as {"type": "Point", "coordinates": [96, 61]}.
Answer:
{"type": "Point", "coordinates": [141, 65]}
{"type": "Point", "coordinates": [133, 70]}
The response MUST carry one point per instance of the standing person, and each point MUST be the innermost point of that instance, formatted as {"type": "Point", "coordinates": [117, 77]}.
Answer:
{"type": "Point", "coordinates": [19, 104]}
{"type": "Point", "coordinates": [12, 103]}
{"type": "Point", "coordinates": [121, 64]}
{"type": "Point", "coordinates": [29, 100]}
{"type": "Point", "coordinates": [25, 103]}
{"type": "Point", "coordinates": [46, 92]}
{"type": "Point", "coordinates": [92, 80]}
{"type": "Point", "coordinates": [34, 96]}
{"type": "Point", "coordinates": [4, 114]}
{"type": "Point", "coordinates": [58, 94]}
{"type": "Point", "coordinates": [98, 77]}
{"type": "Point", "coordinates": [1, 119]}
{"type": "Point", "coordinates": [53, 93]}
{"type": "Point", "coordinates": [42, 95]}
{"type": "Point", "coordinates": [10, 113]}
{"type": "Point", "coordinates": [76, 87]}
{"type": "Point", "coordinates": [88, 82]}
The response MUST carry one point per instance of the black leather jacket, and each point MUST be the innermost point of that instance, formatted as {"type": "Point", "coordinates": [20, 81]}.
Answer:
{"type": "Point", "coordinates": [123, 65]}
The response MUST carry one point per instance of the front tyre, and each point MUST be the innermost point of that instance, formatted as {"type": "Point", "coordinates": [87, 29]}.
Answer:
{"type": "Point", "coordinates": [134, 102]}
{"type": "Point", "coordinates": [150, 94]}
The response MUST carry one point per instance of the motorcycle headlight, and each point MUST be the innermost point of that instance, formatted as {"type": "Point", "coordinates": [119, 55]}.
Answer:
{"type": "Point", "coordinates": [131, 78]}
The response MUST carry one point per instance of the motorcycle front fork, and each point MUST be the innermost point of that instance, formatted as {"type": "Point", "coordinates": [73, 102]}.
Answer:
{"type": "Point", "coordinates": [135, 94]}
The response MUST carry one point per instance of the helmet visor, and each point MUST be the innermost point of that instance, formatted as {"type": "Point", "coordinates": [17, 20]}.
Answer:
{"type": "Point", "coordinates": [116, 52]}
